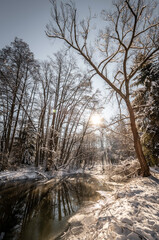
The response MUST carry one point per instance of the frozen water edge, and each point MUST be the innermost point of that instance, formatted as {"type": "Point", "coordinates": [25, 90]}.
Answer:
{"type": "Point", "coordinates": [30, 173]}
{"type": "Point", "coordinates": [39, 173]}
{"type": "Point", "coordinates": [26, 173]}
{"type": "Point", "coordinates": [33, 172]}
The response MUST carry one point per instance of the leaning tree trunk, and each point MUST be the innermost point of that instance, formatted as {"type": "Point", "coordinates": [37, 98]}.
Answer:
{"type": "Point", "coordinates": [145, 171]}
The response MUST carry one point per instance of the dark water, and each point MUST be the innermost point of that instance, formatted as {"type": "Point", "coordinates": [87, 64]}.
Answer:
{"type": "Point", "coordinates": [30, 211]}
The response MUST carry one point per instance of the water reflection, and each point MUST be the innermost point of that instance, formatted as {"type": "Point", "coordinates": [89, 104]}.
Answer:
{"type": "Point", "coordinates": [30, 212]}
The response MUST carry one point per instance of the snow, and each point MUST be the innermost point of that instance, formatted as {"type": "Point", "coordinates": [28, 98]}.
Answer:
{"type": "Point", "coordinates": [22, 174]}
{"type": "Point", "coordinates": [131, 212]}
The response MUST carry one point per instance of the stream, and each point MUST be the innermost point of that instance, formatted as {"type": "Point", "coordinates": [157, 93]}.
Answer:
{"type": "Point", "coordinates": [40, 211]}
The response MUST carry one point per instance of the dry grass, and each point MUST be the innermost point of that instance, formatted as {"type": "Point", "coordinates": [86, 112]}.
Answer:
{"type": "Point", "coordinates": [123, 171]}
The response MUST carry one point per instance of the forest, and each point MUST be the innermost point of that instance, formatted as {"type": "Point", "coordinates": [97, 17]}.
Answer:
{"type": "Point", "coordinates": [53, 120]}
{"type": "Point", "coordinates": [46, 111]}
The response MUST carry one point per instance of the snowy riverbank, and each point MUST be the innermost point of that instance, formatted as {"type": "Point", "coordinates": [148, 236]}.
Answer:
{"type": "Point", "coordinates": [24, 173]}
{"type": "Point", "coordinates": [129, 213]}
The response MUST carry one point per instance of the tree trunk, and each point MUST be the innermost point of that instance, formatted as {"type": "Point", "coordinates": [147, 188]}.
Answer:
{"type": "Point", "coordinates": [145, 171]}
{"type": "Point", "coordinates": [17, 117]}
{"type": "Point", "coordinates": [9, 125]}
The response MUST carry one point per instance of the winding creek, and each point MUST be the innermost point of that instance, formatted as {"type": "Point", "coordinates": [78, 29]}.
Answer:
{"type": "Point", "coordinates": [40, 211]}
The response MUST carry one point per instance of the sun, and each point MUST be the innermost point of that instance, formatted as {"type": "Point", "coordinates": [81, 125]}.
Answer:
{"type": "Point", "coordinates": [95, 119]}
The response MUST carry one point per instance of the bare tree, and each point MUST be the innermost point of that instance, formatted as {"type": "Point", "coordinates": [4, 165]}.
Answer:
{"type": "Point", "coordinates": [44, 99]}
{"type": "Point", "coordinates": [71, 99]}
{"type": "Point", "coordinates": [42, 108]}
{"type": "Point", "coordinates": [131, 30]}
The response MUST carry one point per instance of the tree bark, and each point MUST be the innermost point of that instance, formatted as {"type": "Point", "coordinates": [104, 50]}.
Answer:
{"type": "Point", "coordinates": [18, 111]}
{"type": "Point", "coordinates": [9, 125]}
{"type": "Point", "coordinates": [145, 172]}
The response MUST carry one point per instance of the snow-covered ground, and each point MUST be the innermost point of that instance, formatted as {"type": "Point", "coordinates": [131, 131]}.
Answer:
{"type": "Point", "coordinates": [33, 173]}
{"type": "Point", "coordinates": [22, 174]}
{"type": "Point", "coordinates": [129, 213]}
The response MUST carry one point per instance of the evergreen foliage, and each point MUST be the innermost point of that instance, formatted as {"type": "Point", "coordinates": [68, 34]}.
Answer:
{"type": "Point", "coordinates": [146, 106]}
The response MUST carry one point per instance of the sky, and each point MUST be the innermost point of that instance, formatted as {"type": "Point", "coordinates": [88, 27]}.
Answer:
{"type": "Point", "coordinates": [27, 19]}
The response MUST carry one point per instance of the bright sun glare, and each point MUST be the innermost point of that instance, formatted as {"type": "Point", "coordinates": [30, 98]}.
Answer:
{"type": "Point", "coordinates": [96, 119]}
